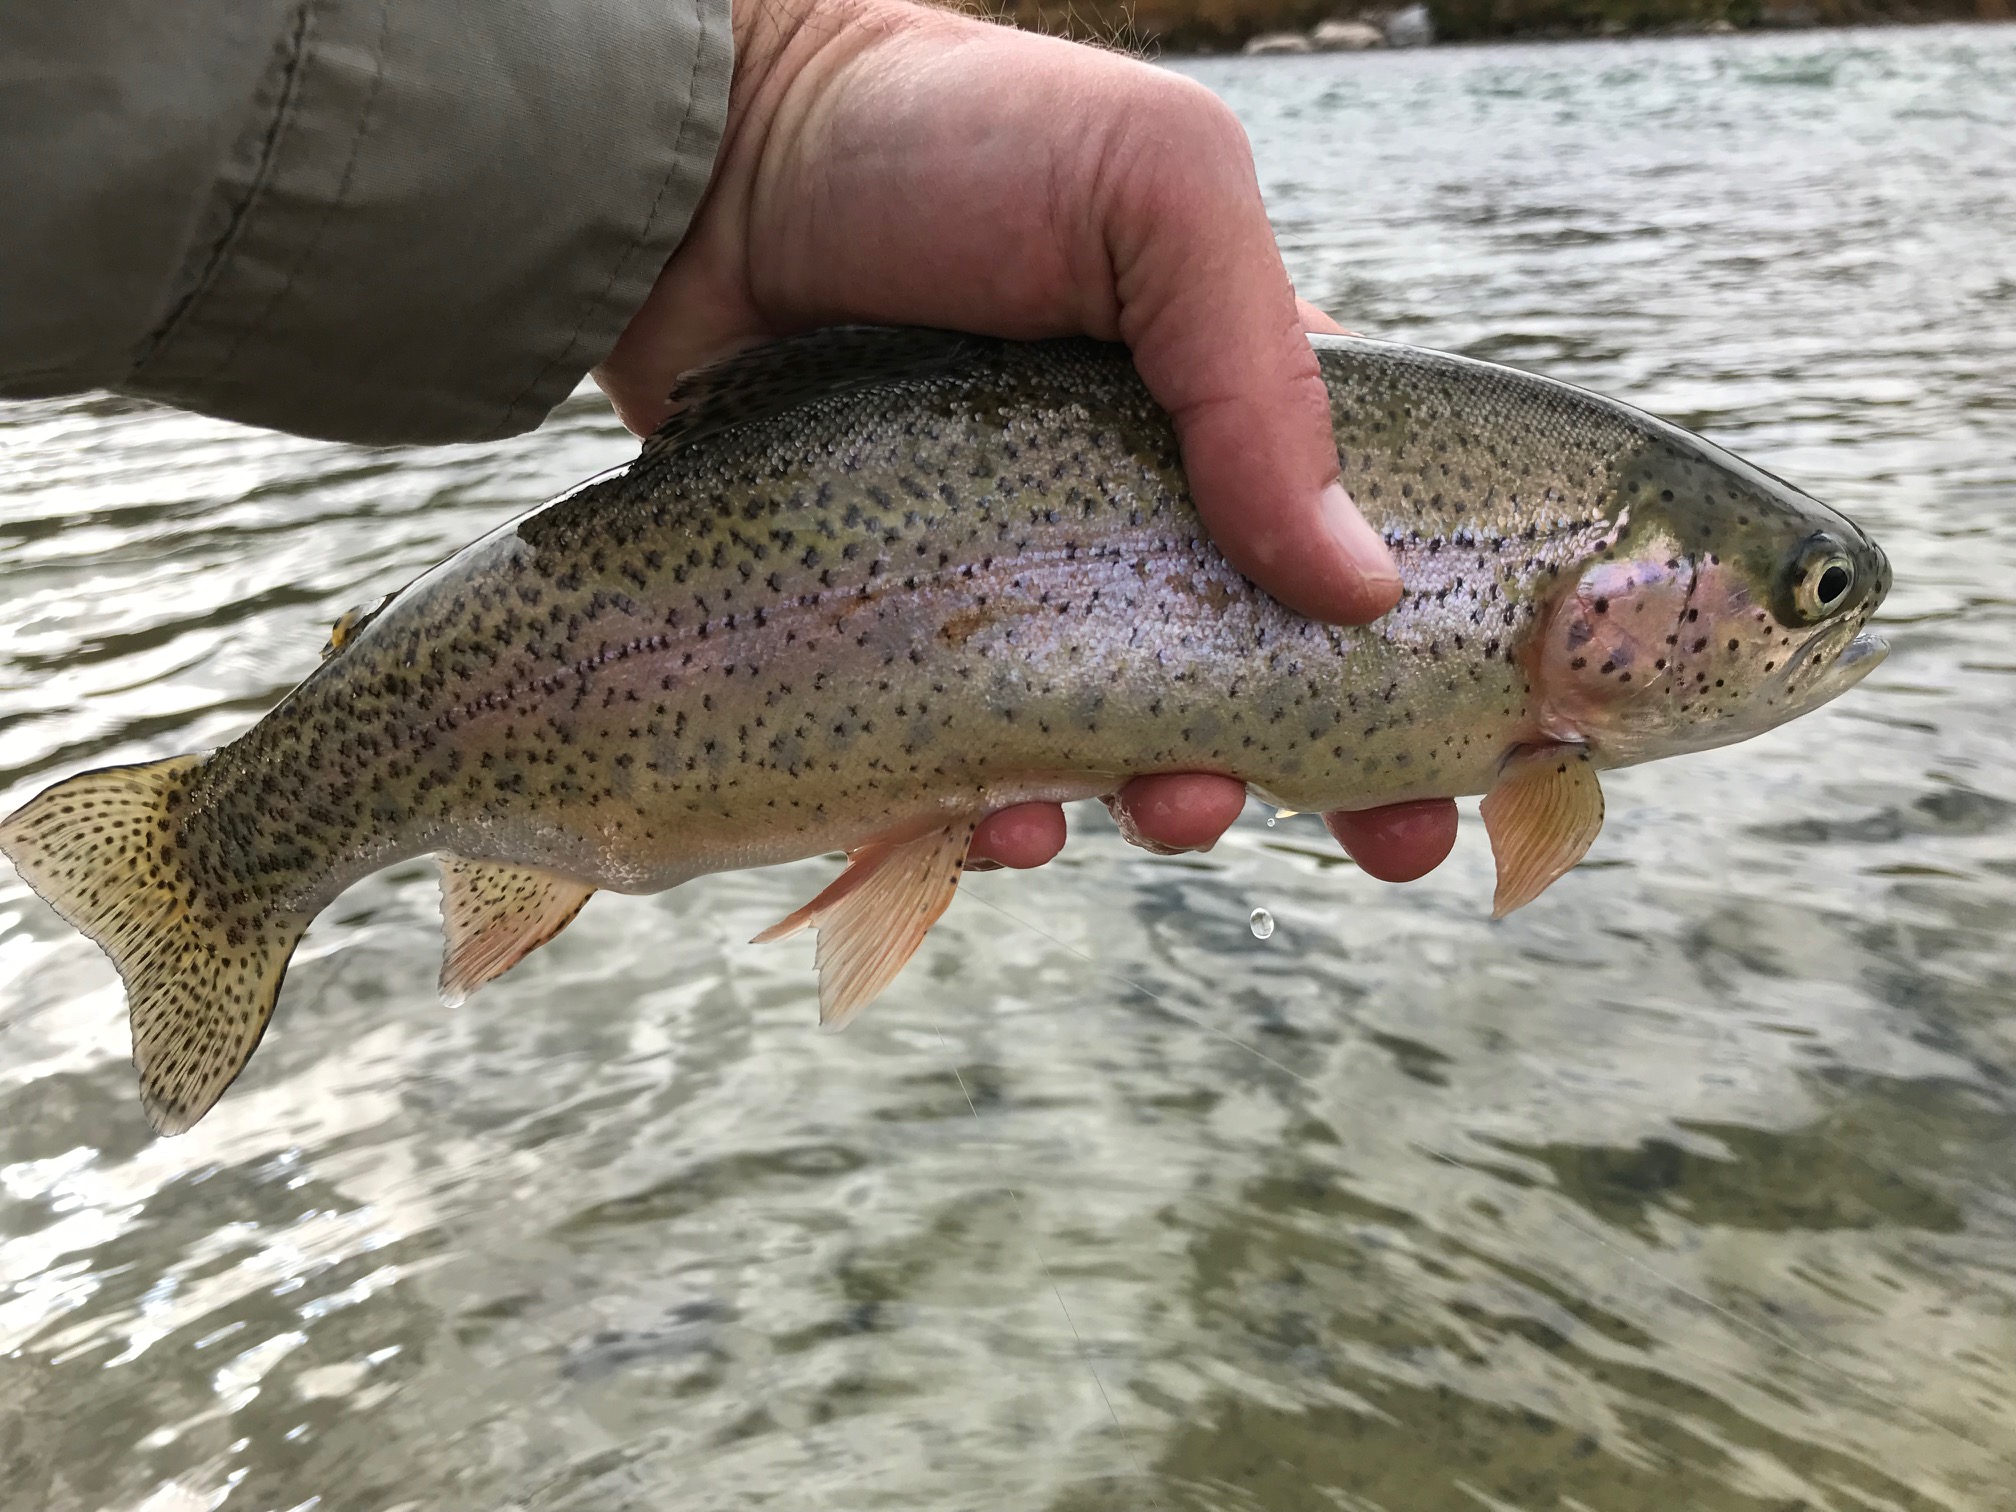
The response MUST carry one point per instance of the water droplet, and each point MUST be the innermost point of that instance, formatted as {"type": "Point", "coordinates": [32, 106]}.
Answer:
{"type": "Point", "coordinates": [1270, 824]}
{"type": "Point", "coordinates": [1262, 923]}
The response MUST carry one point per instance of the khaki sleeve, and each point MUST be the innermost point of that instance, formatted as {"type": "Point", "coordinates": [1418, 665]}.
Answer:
{"type": "Point", "coordinates": [377, 221]}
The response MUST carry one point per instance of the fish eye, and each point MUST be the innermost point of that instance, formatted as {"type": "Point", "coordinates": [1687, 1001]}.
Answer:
{"type": "Point", "coordinates": [1822, 579]}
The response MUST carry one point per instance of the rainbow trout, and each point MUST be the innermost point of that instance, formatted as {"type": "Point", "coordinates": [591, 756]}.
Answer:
{"type": "Point", "coordinates": [869, 585]}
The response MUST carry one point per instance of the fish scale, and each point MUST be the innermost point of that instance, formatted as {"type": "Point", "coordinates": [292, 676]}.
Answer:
{"type": "Point", "coordinates": [869, 585]}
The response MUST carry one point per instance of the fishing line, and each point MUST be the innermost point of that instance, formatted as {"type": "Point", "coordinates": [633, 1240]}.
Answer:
{"type": "Point", "coordinates": [1734, 1318]}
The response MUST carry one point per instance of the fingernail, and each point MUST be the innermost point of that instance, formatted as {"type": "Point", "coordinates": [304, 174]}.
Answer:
{"type": "Point", "coordinates": [1360, 541]}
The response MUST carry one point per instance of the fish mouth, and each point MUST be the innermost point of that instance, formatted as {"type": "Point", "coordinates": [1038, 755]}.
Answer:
{"type": "Point", "coordinates": [1863, 654]}
{"type": "Point", "coordinates": [1859, 653]}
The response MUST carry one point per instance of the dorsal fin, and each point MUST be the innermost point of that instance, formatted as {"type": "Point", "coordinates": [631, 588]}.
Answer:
{"type": "Point", "coordinates": [350, 624]}
{"type": "Point", "coordinates": [781, 375]}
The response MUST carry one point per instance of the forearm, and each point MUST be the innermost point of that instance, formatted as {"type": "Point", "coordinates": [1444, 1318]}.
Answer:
{"type": "Point", "coordinates": [372, 221]}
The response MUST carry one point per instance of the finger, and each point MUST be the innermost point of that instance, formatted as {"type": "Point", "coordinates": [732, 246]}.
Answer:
{"type": "Point", "coordinates": [1177, 812]}
{"type": "Point", "coordinates": [685, 323]}
{"type": "Point", "coordinates": [640, 389]}
{"type": "Point", "coordinates": [1029, 834]}
{"type": "Point", "coordinates": [1400, 842]}
{"type": "Point", "coordinates": [1316, 320]}
{"type": "Point", "coordinates": [1217, 335]}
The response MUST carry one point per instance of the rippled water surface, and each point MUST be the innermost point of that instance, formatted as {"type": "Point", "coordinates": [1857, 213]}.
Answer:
{"type": "Point", "coordinates": [1691, 1186]}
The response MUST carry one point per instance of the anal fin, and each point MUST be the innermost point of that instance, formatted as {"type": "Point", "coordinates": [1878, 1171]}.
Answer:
{"type": "Point", "coordinates": [875, 914]}
{"type": "Point", "coordinates": [493, 915]}
{"type": "Point", "coordinates": [1543, 814]}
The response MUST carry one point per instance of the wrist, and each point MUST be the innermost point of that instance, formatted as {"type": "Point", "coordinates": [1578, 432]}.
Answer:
{"type": "Point", "coordinates": [786, 51]}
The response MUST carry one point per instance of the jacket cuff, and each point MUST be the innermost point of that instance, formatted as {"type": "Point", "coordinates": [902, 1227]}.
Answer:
{"type": "Point", "coordinates": [447, 215]}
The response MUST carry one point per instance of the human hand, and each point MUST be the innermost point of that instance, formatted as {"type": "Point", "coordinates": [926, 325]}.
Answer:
{"type": "Point", "coordinates": [883, 162]}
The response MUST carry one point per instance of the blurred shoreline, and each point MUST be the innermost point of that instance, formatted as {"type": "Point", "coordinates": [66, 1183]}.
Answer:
{"type": "Point", "coordinates": [1286, 26]}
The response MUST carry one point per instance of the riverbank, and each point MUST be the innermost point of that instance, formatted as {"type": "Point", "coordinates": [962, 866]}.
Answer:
{"type": "Point", "coordinates": [1207, 26]}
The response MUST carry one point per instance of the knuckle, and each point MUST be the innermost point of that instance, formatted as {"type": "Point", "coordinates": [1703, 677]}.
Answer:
{"type": "Point", "coordinates": [1210, 143]}
{"type": "Point", "coordinates": [1182, 150]}
{"type": "Point", "coordinates": [1193, 113]}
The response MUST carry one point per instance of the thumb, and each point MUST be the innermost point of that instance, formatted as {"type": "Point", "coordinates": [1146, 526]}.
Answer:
{"type": "Point", "coordinates": [1217, 334]}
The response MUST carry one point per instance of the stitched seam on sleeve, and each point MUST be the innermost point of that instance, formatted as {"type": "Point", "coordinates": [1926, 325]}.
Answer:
{"type": "Point", "coordinates": [269, 153]}
{"type": "Point", "coordinates": [590, 308]}
{"type": "Point", "coordinates": [308, 248]}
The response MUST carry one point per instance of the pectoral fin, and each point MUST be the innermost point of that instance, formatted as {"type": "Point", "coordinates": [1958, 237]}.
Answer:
{"type": "Point", "coordinates": [494, 915]}
{"type": "Point", "coordinates": [1542, 816]}
{"type": "Point", "coordinates": [875, 914]}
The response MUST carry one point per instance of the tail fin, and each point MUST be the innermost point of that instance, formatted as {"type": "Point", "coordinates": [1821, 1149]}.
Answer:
{"type": "Point", "coordinates": [201, 965]}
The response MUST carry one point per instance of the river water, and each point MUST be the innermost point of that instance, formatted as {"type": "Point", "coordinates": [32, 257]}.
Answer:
{"type": "Point", "coordinates": [1691, 1186]}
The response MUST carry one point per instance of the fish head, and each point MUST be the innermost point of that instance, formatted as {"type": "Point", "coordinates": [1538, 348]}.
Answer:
{"type": "Point", "coordinates": [1722, 603]}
